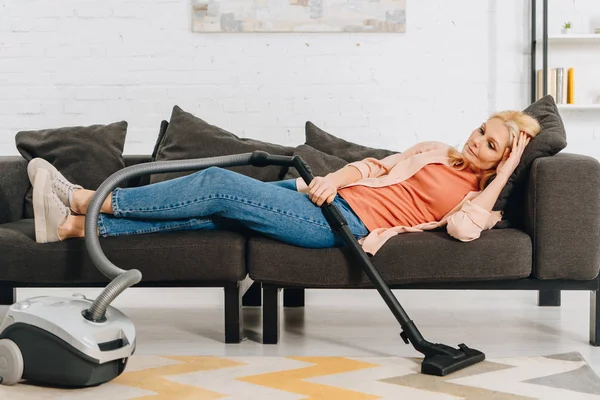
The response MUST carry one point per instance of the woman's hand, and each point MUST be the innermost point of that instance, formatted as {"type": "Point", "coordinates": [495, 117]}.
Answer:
{"type": "Point", "coordinates": [322, 189]}
{"type": "Point", "coordinates": [512, 157]}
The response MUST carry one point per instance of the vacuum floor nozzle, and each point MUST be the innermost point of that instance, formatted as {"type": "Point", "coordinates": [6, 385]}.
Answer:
{"type": "Point", "coordinates": [444, 364]}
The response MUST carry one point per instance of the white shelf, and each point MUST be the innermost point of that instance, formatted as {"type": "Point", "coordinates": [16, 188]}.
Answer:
{"type": "Point", "coordinates": [578, 106]}
{"type": "Point", "coordinates": [574, 38]}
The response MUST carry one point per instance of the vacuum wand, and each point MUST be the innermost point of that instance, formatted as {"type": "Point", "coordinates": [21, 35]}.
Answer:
{"type": "Point", "coordinates": [339, 224]}
{"type": "Point", "coordinates": [440, 359]}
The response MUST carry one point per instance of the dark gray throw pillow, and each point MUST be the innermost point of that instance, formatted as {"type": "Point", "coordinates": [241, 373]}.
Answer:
{"type": "Point", "coordinates": [189, 137]}
{"type": "Point", "coordinates": [161, 135]}
{"type": "Point", "coordinates": [330, 144]}
{"type": "Point", "coordinates": [320, 163]}
{"type": "Point", "coordinates": [85, 155]}
{"type": "Point", "coordinates": [551, 140]}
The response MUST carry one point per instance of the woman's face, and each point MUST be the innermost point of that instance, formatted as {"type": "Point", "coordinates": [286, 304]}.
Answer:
{"type": "Point", "coordinates": [486, 146]}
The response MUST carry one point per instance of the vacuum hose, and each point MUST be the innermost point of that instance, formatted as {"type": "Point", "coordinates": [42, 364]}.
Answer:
{"type": "Point", "coordinates": [122, 279]}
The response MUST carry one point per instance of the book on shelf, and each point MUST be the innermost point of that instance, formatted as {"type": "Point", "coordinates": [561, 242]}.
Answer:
{"type": "Point", "coordinates": [560, 84]}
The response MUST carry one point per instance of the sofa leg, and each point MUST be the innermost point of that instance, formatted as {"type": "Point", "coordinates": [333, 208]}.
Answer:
{"type": "Point", "coordinates": [8, 293]}
{"type": "Point", "coordinates": [253, 296]}
{"type": "Point", "coordinates": [549, 298]}
{"type": "Point", "coordinates": [234, 325]}
{"type": "Point", "coordinates": [594, 318]}
{"type": "Point", "coordinates": [293, 297]}
{"type": "Point", "coordinates": [270, 315]}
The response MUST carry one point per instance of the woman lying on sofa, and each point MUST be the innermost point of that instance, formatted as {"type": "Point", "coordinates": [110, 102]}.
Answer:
{"type": "Point", "coordinates": [428, 186]}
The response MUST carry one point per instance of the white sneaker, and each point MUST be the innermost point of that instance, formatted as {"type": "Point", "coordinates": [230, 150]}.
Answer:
{"type": "Point", "coordinates": [48, 210]}
{"type": "Point", "coordinates": [63, 188]}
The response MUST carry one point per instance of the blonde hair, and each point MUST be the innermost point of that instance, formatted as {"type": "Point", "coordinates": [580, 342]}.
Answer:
{"type": "Point", "coordinates": [515, 122]}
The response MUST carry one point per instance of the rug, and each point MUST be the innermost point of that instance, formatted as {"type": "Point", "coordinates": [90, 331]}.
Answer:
{"type": "Point", "coordinates": [560, 376]}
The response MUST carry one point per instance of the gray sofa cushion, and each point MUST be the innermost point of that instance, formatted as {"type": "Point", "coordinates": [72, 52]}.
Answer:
{"type": "Point", "coordinates": [551, 140]}
{"type": "Point", "coordinates": [320, 163]}
{"type": "Point", "coordinates": [189, 137]}
{"type": "Point", "coordinates": [330, 144]}
{"type": "Point", "coordinates": [414, 257]}
{"type": "Point", "coordinates": [85, 155]}
{"type": "Point", "coordinates": [208, 256]}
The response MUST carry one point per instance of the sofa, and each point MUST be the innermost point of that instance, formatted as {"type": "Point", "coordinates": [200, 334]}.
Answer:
{"type": "Point", "coordinates": [192, 259]}
{"type": "Point", "coordinates": [548, 241]}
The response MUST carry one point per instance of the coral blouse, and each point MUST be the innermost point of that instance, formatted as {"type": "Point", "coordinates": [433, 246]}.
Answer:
{"type": "Point", "coordinates": [426, 196]}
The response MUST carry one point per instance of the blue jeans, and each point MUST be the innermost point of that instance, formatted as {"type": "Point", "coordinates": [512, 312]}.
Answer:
{"type": "Point", "coordinates": [217, 198]}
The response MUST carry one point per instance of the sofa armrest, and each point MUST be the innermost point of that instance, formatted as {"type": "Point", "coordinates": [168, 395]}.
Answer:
{"type": "Point", "coordinates": [14, 185]}
{"type": "Point", "coordinates": [563, 216]}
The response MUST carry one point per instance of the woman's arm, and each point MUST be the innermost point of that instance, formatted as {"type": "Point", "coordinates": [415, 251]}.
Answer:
{"type": "Point", "coordinates": [505, 168]}
{"type": "Point", "coordinates": [374, 168]}
{"type": "Point", "coordinates": [488, 197]}
{"type": "Point", "coordinates": [467, 223]}
{"type": "Point", "coordinates": [344, 176]}
{"type": "Point", "coordinates": [476, 215]}
{"type": "Point", "coordinates": [325, 188]}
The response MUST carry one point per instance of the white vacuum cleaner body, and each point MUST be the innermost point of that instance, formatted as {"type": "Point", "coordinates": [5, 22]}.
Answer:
{"type": "Point", "coordinates": [48, 340]}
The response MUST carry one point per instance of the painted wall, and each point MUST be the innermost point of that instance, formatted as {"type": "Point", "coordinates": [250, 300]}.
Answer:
{"type": "Point", "coordinates": [87, 62]}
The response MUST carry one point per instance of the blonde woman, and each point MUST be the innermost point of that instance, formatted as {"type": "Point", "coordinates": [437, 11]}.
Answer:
{"type": "Point", "coordinates": [428, 186]}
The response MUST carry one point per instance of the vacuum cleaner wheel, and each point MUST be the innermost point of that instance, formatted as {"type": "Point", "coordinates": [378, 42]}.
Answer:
{"type": "Point", "coordinates": [11, 362]}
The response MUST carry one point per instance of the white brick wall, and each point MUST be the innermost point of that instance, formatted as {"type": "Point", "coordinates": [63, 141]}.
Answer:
{"type": "Point", "coordinates": [70, 62]}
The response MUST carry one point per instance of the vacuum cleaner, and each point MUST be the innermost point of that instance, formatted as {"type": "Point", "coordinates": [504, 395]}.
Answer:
{"type": "Point", "coordinates": [78, 342]}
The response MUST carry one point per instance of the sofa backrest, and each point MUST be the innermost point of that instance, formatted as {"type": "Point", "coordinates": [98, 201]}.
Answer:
{"type": "Point", "coordinates": [134, 160]}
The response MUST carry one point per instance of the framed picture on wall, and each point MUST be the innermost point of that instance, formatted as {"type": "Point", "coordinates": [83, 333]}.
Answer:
{"type": "Point", "coordinates": [387, 16]}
